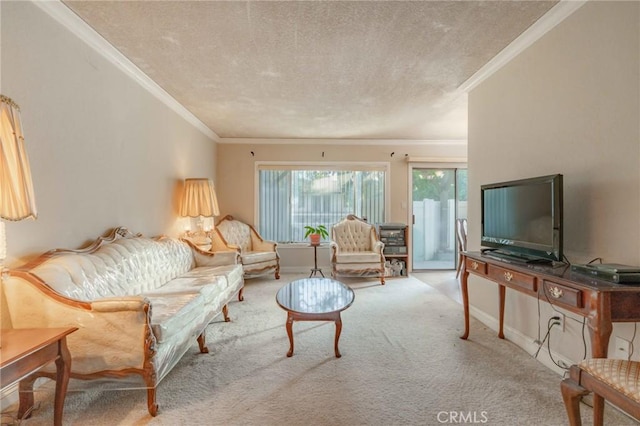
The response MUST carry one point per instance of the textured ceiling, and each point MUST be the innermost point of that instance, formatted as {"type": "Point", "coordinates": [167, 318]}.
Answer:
{"type": "Point", "coordinates": [315, 69]}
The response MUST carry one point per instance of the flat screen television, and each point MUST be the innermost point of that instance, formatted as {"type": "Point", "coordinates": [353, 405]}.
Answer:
{"type": "Point", "coordinates": [522, 219]}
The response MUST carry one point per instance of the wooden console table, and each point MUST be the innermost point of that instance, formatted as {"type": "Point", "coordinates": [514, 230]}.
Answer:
{"type": "Point", "coordinates": [24, 351]}
{"type": "Point", "coordinates": [600, 302]}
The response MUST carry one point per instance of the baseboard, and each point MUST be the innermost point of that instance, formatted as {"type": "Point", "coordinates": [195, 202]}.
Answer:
{"type": "Point", "coordinates": [525, 342]}
{"type": "Point", "coordinates": [295, 270]}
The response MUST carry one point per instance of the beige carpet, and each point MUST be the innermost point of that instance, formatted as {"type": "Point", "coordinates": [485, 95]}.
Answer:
{"type": "Point", "coordinates": [402, 364]}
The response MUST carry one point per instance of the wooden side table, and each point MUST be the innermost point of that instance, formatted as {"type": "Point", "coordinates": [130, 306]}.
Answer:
{"type": "Point", "coordinates": [24, 351]}
{"type": "Point", "coordinates": [315, 268]}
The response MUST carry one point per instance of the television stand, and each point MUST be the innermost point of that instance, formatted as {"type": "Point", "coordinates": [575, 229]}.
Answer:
{"type": "Point", "coordinates": [600, 302]}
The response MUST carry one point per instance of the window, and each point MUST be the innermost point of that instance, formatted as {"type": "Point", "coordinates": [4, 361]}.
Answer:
{"type": "Point", "coordinates": [290, 197]}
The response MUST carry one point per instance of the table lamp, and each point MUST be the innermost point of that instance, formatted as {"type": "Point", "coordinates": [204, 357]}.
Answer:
{"type": "Point", "coordinates": [16, 189]}
{"type": "Point", "coordinates": [199, 201]}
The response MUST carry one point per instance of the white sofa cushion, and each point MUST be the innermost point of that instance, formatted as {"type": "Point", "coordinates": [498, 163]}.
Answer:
{"type": "Point", "coordinates": [174, 312]}
{"type": "Point", "coordinates": [257, 257]}
{"type": "Point", "coordinates": [187, 299]}
{"type": "Point", "coordinates": [358, 257]}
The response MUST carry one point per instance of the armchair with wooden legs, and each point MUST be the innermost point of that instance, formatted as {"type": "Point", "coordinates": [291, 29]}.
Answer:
{"type": "Point", "coordinates": [356, 249]}
{"type": "Point", "coordinates": [617, 381]}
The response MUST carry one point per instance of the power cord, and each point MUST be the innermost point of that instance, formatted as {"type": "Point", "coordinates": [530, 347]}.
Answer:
{"type": "Point", "coordinates": [584, 339]}
{"type": "Point", "coordinates": [539, 316]}
{"type": "Point", "coordinates": [635, 329]}
{"type": "Point", "coordinates": [554, 321]}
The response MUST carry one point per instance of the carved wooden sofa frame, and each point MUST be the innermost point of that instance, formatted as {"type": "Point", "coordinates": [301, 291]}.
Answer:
{"type": "Point", "coordinates": [34, 303]}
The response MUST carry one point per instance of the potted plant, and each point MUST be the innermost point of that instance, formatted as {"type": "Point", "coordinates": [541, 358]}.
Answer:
{"type": "Point", "coordinates": [316, 233]}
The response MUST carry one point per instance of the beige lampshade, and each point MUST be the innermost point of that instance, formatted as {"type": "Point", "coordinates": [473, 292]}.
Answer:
{"type": "Point", "coordinates": [16, 189]}
{"type": "Point", "coordinates": [199, 198]}
{"type": "Point", "coordinates": [17, 201]}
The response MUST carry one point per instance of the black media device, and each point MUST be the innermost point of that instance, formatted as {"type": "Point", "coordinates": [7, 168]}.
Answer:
{"type": "Point", "coordinates": [522, 219]}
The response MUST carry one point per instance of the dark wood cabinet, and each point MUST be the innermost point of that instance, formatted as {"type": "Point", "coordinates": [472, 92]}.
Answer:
{"type": "Point", "coordinates": [600, 302]}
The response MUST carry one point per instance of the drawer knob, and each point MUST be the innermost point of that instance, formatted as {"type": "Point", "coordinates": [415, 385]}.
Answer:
{"type": "Point", "coordinates": [474, 265]}
{"type": "Point", "coordinates": [556, 292]}
{"type": "Point", "coordinates": [508, 276]}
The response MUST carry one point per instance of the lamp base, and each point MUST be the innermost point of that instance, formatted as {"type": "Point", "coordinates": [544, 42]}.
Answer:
{"type": "Point", "coordinates": [200, 238]}
{"type": "Point", "coordinates": [3, 243]}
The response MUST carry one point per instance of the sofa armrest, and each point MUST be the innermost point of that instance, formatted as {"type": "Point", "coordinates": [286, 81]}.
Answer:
{"type": "Point", "coordinates": [219, 244]}
{"type": "Point", "coordinates": [211, 257]}
{"type": "Point", "coordinates": [116, 304]}
{"type": "Point", "coordinates": [219, 258]}
{"type": "Point", "coordinates": [259, 244]}
{"type": "Point", "coordinates": [378, 247]}
{"type": "Point", "coordinates": [113, 333]}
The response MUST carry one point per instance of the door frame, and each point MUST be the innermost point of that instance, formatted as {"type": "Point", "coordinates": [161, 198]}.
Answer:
{"type": "Point", "coordinates": [432, 163]}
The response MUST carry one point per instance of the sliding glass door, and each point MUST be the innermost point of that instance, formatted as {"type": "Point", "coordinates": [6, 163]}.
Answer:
{"type": "Point", "coordinates": [439, 198]}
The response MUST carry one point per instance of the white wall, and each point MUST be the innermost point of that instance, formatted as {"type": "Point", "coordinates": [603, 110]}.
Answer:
{"type": "Point", "coordinates": [569, 104]}
{"type": "Point", "coordinates": [104, 151]}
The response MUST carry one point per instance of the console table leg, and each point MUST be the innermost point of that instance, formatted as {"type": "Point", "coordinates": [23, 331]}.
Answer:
{"type": "Point", "coordinates": [600, 326]}
{"type": "Point", "coordinates": [465, 300]}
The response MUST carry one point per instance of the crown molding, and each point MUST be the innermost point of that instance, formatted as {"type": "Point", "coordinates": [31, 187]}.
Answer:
{"type": "Point", "coordinates": [321, 141]}
{"type": "Point", "coordinates": [453, 160]}
{"type": "Point", "coordinates": [71, 21]}
{"type": "Point", "coordinates": [546, 23]}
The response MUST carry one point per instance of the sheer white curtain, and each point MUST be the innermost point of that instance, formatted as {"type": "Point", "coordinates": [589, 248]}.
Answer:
{"type": "Point", "coordinates": [291, 197]}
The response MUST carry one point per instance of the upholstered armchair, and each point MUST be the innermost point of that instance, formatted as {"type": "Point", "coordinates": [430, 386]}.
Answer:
{"type": "Point", "coordinates": [258, 256]}
{"type": "Point", "coordinates": [356, 249]}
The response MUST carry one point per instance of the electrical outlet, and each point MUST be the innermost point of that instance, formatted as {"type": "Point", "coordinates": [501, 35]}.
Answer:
{"type": "Point", "coordinates": [562, 321]}
{"type": "Point", "coordinates": [559, 320]}
{"type": "Point", "coordinates": [623, 348]}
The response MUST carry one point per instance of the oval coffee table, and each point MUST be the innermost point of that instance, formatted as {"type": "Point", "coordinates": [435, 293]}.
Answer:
{"type": "Point", "coordinates": [314, 299]}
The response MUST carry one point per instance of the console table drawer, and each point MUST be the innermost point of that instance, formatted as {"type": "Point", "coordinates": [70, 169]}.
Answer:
{"type": "Point", "coordinates": [513, 278]}
{"type": "Point", "coordinates": [476, 266]}
{"type": "Point", "coordinates": [558, 293]}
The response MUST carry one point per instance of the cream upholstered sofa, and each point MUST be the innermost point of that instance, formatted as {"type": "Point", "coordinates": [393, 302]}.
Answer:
{"type": "Point", "coordinates": [356, 249]}
{"type": "Point", "coordinates": [258, 256]}
{"type": "Point", "coordinates": [139, 303]}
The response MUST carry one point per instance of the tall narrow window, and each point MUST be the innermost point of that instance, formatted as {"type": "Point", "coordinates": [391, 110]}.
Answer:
{"type": "Point", "coordinates": [290, 198]}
